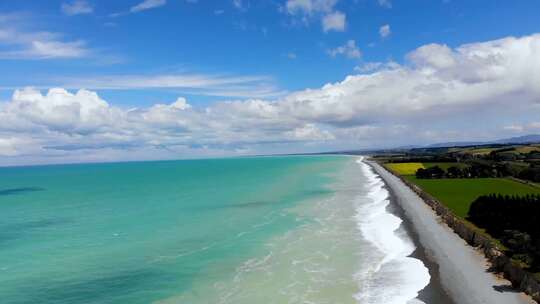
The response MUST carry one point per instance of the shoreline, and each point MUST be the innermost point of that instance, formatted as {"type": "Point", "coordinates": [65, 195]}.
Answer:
{"type": "Point", "coordinates": [463, 272]}
{"type": "Point", "coordinates": [434, 292]}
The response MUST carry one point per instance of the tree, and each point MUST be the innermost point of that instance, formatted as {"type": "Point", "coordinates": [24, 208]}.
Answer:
{"type": "Point", "coordinates": [454, 172]}
{"type": "Point", "coordinates": [431, 172]}
{"type": "Point", "coordinates": [514, 220]}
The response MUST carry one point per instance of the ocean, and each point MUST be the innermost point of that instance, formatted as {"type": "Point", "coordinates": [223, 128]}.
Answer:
{"type": "Point", "coordinates": [295, 229]}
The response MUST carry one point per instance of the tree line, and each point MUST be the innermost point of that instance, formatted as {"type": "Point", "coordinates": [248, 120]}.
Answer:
{"type": "Point", "coordinates": [513, 220]}
{"type": "Point", "coordinates": [474, 170]}
{"type": "Point", "coordinates": [477, 170]}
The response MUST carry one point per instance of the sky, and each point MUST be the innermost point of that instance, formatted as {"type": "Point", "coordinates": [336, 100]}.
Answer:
{"type": "Point", "coordinates": [96, 80]}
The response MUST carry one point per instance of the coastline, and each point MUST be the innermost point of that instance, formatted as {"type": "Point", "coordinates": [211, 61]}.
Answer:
{"type": "Point", "coordinates": [463, 271]}
{"type": "Point", "coordinates": [434, 292]}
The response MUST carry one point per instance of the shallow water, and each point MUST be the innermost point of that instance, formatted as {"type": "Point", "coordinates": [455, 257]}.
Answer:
{"type": "Point", "coordinates": [251, 230]}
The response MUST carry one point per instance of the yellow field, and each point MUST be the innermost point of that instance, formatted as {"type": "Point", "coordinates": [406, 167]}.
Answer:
{"type": "Point", "coordinates": [481, 151]}
{"type": "Point", "coordinates": [404, 168]}
{"type": "Point", "coordinates": [527, 149]}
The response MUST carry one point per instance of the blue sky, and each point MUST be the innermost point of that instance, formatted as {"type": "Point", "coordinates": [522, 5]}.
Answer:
{"type": "Point", "coordinates": [258, 38]}
{"type": "Point", "coordinates": [212, 53]}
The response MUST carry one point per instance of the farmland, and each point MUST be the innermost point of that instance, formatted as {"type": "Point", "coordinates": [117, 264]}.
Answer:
{"type": "Point", "coordinates": [410, 168]}
{"type": "Point", "coordinates": [405, 168]}
{"type": "Point", "coordinates": [469, 175]}
{"type": "Point", "coordinates": [459, 193]}
{"type": "Point", "coordinates": [445, 166]}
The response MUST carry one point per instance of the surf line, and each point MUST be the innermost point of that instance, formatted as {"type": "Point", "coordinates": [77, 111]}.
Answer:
{"type": "Point", "coordinates": [393, 277]}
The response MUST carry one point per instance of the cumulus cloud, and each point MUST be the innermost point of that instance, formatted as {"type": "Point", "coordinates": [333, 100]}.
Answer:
{"type": "Point", "coordinates": [384, 31]}
{"type": "Point", "coordinates": [76, 7]}
{"type": "Point", "coordinates": [331, 19]}
{"type": "Point", "coordinates": [310, 7]}
{"type": "Point", "coordinates": [368, 67]}
{"type": "Point", "coordinates": [59, 110]}
{"type": "Point", "coordinates": [349, 49]}
{"type": "Point", "coordinates": [438, 94]}
{"type": "Point", "coordinates": [334, 21]}
{"type": "Point", "coordinates": [181, 103]}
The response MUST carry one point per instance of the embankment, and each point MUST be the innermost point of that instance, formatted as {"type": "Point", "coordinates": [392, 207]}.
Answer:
{"type": "Point", "coordinates": [465, 273]}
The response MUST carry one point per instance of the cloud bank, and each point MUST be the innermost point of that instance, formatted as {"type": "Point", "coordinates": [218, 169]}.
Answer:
{"type": "Point", "coordinates": [439, 94]}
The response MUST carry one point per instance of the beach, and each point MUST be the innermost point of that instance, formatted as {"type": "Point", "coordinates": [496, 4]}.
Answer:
{"type": "Point", "coordinates": [463, 271]}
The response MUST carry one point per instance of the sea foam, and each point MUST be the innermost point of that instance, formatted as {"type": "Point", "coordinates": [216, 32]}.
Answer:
{"type": "Point", "coordinates": [389, 276]}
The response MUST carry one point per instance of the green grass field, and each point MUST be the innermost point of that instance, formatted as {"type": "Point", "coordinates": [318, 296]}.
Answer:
{"type": "Point", "coordinates": [459, 193]}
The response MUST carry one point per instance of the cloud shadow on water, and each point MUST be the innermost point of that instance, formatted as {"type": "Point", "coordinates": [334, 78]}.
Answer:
{"type": "Point", "coordinates": [120, 287]}
{"type": "Point", "coordinates": [21, 190]}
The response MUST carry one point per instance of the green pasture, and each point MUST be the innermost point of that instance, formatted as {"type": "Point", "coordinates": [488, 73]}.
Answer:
{"type": "Point", "coordinates": [459, 193]}
{"type": "Point", "coordinates": [444, 166]}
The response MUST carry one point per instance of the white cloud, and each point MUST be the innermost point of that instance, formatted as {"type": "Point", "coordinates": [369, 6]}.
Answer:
{"type": "Point", "coordinates": [528, 127]}
{"type": "Point", "coordinates": [368, 67]}
{"type": "Point", "coordinates": [146, 5]}
{"type": "Point", "coordinates": [48, 50]}
{"type": "Point", "coordinates": [385, 3]}
{"type": "Point", "coordinates": [57, 49]}
{"type": "Point", "coordinates": [310, 6]}
{"type": "Point", "coordinates": [181, 103]}
{"type": "Point", "coordinates": [238, 4]}
{"type": "Point", "coordinates": [291, 55]}
{"type": "Point", "coordinates": [434, 55]}
{"type": "Point", "coordinates": [310, 132]}
{"type": "Point", "coordinates": [76, 7]}
{"type": "Point", "coordinates": [385, 31]}
{"type": "Point", "coordinates": [202, 84]}
{"type": "Point", "coordinates": [334, 21]}
{"type": "Point", "coordinates": [439, 94]}
{"type": "Point", "coordinates": [62, 111]}
{"type": "Point", "coordinates": [514, 128]}
{"type": "Point", "coordinates": [10, 146]}
{"type": "Point", "coordinates": [349, 49]}
{"type": "Point", "coordinates": [39, 45]}
{"type": "Point", "coordinates": [331, 19]}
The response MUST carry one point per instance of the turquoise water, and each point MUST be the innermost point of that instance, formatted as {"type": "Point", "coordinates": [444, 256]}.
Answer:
{"type": "Point", "coordinates": [167, 232]}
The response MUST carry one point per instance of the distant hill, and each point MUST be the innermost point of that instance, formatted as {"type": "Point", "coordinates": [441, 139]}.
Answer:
{"type": "Point", "coordinates": [457, 144]}
{"type": "Point", "coordinates": [526, 139]}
